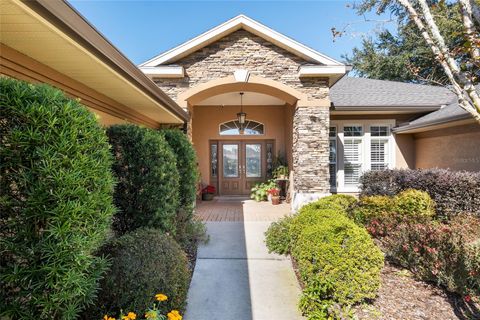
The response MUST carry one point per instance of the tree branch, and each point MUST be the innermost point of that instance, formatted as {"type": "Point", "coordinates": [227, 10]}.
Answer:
{"type": "Point", "coordinates": [475, 10]}
{"type": "Point", "coordinates": [470, 30]}
{"type": "Point", "coordinates": [468, 98]}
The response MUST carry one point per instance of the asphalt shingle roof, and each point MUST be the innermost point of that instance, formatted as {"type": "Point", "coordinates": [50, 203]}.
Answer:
{"type": "Point", "coordinates": [362, 92]}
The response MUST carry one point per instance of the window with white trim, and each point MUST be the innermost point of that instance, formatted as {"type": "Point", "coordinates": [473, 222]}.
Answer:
{"type": "Point", "coordinates": [359, 146]}
{"type": "Point", "coordinates": [379, 147]}
{"type": "Point", "coordinates": [352, 154]}
{"type": "Point", "coordinates": [333, 157]}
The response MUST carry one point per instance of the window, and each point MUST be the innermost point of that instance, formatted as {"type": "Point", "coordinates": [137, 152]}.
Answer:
{"type": "Point", "coordinates": [214, 159]}
{"type": "Point", "coordinates": [358, 147]}
{"type": "Point", "coordinates": [379, 154]}
{"type": "Point", "coordinates": [352, 154]}
{"type": "Point", "coordinates": [333, 157]}
{"type": "Point", "coordinates": [233, 128]}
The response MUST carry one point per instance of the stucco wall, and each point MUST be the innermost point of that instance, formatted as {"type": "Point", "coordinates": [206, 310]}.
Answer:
{"type": "Point", "coordinates": [457, 148]}
{"type": "Point", "coordinates": [206, 121]}
{"type": "Point", "coordinates": [404, 151]}
{"type": "Point", "coordinates": [243, 50]}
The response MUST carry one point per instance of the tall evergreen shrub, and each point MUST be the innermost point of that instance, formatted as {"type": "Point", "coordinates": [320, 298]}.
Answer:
{"type": "Point", "coordinates": [188, 177]}
{"type": "Point", "coordinates": [147, 191]}
{"type": "Point", "coordinates": [55, 202]}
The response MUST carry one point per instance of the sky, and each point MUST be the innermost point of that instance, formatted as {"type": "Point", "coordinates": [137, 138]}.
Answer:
{"type": "Point", "coordinates": [144, 29]}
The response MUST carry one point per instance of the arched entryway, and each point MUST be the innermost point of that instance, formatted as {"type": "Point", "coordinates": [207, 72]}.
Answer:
{"type": "Point", "coordinates": [233, 157]}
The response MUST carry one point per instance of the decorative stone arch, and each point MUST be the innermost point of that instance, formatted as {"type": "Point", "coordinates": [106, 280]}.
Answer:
{"type": "Point", "coordinates": [229, 84]}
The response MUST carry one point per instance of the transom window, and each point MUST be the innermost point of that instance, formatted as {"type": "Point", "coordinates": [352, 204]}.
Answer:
{"type": "Point", "coordinates": [233, 128]}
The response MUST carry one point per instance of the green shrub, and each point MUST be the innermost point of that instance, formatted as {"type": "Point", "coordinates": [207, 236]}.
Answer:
{"type": "Point", "coordinates": [56, 192]}
{"type": "Point", "coordinates": [370, 208]}
{"type": "Point", "coordinates": [277, 237]}
{"type": "Point", "coordinates": [454, 192]}
{"type": "Point", "coordinates": [337, 263]}
{"type": "Point", "coordinates": [414, 203]}
{"type": "Point", "coordinates": [188, 231]}
{"type": "Point", "coordinates": [148, 181]}
{"type": "Point", "coordinates": [144, 262]}
{"type": "Point", "coordinates": [337, 201]}
{"type": "Point", "coordinates": [281, 235]}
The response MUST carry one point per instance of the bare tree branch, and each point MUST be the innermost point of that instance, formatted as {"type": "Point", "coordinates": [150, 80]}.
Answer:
{"type": "Point", "coordinates": [468, 98]}
{"type": "Point", "coordinates": [475, 10]}
{"type": "Point", "coordinates": [470, 30]}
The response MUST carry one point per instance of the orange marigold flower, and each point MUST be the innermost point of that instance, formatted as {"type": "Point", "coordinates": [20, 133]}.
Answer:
{"type": "Point", "coordinates": [106, 317]}
{"type": "Point", "coordinates": [174, 315]}
{"type": "Point", "coordinates": [161, 297]}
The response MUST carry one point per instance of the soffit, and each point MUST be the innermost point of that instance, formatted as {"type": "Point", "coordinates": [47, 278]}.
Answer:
{"type": "Point", "coordinates": [29, 33]}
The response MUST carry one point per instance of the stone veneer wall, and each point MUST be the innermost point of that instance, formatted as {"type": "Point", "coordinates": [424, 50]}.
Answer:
{"type": "Point", "coordinates": [311, 151]}
{"type": "Point", "coordinates": [243, 50]}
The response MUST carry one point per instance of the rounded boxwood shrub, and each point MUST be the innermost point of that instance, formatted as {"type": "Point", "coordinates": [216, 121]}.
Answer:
{"type": "Point", "coordinates": [370, 208]}
{"type": "Point", "coordinates": [144, 262]}
{"type": "Point", "coordinates": [338, 263]}
{"type": "Point", "coordinates": [148, 181]}
{"type": "Point", "coordinates": [414, 203]}
{"type": "Point", "coordinates": [277, 236]}
{"type": "Point", "coordinates": [337, 201]}
{"type": "Point", "coordinates": [56, 202]}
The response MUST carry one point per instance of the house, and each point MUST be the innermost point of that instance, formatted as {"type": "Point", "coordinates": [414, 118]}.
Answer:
{"type": "Point", "coordinates": [254, 94]}
{"type": "Point", "coordinates": [46, 41]}
{"type": "Point", "coordinates": [247, 95]}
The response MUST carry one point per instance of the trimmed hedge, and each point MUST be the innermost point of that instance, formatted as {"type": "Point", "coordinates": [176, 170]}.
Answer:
{"type": "Point", "coordinates": [188, 231]}
{"type": "Point", "coordinates": [144, 262]}
{"type": "Point", "coordinates": [148, 180]}
{"type": "Point", "coordinates": [56, 192]}
{"type": "Point", "coordinates": [454, 192]}
{"type": "Point", "coordinates": [338, 263]}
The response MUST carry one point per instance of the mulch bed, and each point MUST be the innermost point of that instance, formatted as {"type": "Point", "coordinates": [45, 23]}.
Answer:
{"type": "Point", "coordinates": [402, 297]}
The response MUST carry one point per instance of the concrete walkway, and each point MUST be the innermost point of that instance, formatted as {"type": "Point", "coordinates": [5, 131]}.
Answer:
{"type": "Point", "coordinates": [235, 277]}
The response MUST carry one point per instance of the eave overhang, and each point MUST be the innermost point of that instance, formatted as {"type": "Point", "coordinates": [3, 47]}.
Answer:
{"type": "Point", "coordinates": [56, 35]}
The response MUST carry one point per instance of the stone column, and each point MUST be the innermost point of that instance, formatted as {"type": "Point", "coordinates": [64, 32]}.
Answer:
{"type": "Point", "coordinates": [311, 122]}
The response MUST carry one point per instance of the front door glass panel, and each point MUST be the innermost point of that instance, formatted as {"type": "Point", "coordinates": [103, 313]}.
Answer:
{"type": "Point", "coordinates": [230, 160]}
{"type": "Point", "coordinates": [253, 159]}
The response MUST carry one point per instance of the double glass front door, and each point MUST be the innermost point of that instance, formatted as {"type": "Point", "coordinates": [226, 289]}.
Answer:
{"type": "Point", "coordinates": [242, 164]}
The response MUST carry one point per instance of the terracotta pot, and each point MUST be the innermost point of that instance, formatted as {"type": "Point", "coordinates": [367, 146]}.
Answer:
{"type": "Point", "coordinates": [275, 200]}
{"type": "Point", "coordinates": [207, 196]}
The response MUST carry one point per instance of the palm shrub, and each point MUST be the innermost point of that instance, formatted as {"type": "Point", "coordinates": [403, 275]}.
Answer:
{"type": "Point", "coordinates": [145, 262]}
{"type": "Point", "coordinates": [56, 192]}
{"type": "Point", "coordinates": [148, 181]}
{"type": "Point", "coordinates": [188, 230]}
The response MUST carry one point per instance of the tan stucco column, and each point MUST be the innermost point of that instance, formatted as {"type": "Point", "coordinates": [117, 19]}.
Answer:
{"type": "Point", "coordinates": [311, 122]}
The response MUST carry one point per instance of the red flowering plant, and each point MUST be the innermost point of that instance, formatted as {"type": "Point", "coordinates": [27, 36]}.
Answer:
{"type": "Point", "coordinates": [274, 192]}
{"type": "Point", "coordinates": [448, 254]}
{"type": "Point", "coordinates": [209, 189]}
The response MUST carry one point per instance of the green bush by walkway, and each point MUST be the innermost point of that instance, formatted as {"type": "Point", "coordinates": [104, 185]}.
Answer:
{"type": "Point", "coordinates": [188, 231]}
{"type": "Point", "coordinates": [144, 262]}
{"type": "Point", "coordinates": [338, 263]}
{"type": "Point", "coordinates": [55, 201]}
{"type": "Point", "coordinates": [147, 193]}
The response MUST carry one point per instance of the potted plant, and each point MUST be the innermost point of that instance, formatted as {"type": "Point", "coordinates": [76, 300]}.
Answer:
{"type": "Point", "coordinates": [280, 172]}
{"type": "Point", "coordinates": [208, 193]}
{"type": "Point", "coordinates": [275, 195]}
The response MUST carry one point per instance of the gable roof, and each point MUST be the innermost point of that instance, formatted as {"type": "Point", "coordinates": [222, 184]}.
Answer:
{"type": "Point", "coordinates": [354, 93]}
{"type": "Point", "coordinates": [232, 25]}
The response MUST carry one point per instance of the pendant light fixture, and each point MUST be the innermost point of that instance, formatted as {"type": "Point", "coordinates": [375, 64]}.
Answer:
{"type": "Point", "coordinates": [241, 116]}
